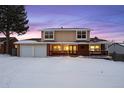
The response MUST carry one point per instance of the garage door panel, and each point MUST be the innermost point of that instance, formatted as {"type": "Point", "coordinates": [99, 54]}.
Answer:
{"type": "Point", "coordinates": [26, 51]}
{"type": "Point", "coordinates": [40, 51]}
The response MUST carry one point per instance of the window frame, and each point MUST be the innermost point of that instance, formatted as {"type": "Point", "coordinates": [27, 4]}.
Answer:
{"type": "Point", "coordinates": [48, 35]}
{"type": "Point", "coordinates": [81, 35]}
{"type": "Point", "coordinates": [95, 49]}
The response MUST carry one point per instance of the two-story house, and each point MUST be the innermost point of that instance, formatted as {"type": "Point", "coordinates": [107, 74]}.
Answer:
{"type": "Point", "coordinates": [62, 41]}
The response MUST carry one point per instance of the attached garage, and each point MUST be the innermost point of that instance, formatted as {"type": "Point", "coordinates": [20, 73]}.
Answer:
{"type": "Point", "coordinates": [33, 50]}
{"type": "Point", "coordinates": [29, 48]}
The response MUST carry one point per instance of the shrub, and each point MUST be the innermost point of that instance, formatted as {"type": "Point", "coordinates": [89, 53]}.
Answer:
{"type": "Point", "coordinates": [117, 57]}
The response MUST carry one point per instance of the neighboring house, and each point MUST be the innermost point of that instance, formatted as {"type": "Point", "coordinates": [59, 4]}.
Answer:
{"type": "Point", "coordinates": [3, 44]}
{"type": "Point", "coordinates": [62, 41]}
{"type": "Point", "coordinates": [116, 51]}
{"type": "Point", "coordinates": [117, 48]}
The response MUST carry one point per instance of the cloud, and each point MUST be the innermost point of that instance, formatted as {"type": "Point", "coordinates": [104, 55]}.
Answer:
{"type": "Point", "coordinates": [106, 21]}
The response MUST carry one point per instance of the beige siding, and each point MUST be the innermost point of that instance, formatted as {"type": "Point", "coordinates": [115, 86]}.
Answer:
{"type": "Point", "coordinates": [65, 36]}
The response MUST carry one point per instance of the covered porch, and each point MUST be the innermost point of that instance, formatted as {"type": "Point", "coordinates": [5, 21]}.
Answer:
{"type": "Point", "coordinates": [62, 49]}
{"type": "Point", "coordinates": [97, 49]}
{"type": "Point", "coordinates": [76, 49]}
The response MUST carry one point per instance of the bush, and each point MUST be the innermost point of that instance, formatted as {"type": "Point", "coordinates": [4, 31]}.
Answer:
{"type": "Point", "coordinates": [117, 57]}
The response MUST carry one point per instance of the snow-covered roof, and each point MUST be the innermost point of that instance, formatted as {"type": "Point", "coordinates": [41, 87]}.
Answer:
{"type": "Point", "coordinates": [66, 29]}
{"type": "Point", "coordinates": [122, 44]}
{"type": "Point", "coordinates": [25, 42]}
{"type": "Point", "coordinates": [35, 42]}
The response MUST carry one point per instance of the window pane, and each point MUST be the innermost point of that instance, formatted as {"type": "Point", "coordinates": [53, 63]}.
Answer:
{"type": "Point", "coordinates": [51, 36]}
{"type": "Point", "coordinates": [83, 32]}
{"type": "Point", "coordinates": [79, 32]}
{"type": "Point", "coordinates": [66, 48]}
{"type": "Point", "coordinates": [57, 48]}
{"type": "Point", "coordinates": [83, 36]}
{"type": "Point", "coordinates": [70, 49]}
{"type": "Point", "coordinates": [78, 36]}
{"type": "Point", "coordinates": [74, 49]}
{"type": "Point", "coordinates": [46, 36]}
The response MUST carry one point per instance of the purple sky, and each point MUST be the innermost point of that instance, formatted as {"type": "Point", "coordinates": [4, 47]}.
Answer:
{"type": "Point", "coordinates": [107, 22]}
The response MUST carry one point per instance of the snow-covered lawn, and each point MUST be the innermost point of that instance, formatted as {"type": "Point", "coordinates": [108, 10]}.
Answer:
{"type": "Point", "coordinates": [60, 72]}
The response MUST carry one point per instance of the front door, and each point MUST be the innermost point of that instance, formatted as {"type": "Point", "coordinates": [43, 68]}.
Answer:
{"type": "Point", "coordinates": [83, 49]}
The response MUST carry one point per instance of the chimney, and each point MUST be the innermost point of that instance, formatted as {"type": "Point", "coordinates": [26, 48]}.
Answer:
{"type": "Point", "coordinates": [62, 27]}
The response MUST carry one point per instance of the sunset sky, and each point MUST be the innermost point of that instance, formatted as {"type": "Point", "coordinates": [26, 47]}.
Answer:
{"type": "Point", "coordinates": [107, 22]}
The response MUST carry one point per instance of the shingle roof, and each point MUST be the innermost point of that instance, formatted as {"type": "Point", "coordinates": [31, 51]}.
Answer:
{"type": "Point", "coordinates": [96, 39]}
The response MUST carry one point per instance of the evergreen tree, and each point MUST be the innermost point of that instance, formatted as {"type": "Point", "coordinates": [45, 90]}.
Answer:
{"type": "Point", "coordinates": [13, 19]}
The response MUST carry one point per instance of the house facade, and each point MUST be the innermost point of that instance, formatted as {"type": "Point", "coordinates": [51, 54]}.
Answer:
{"type": "Point", "coordinates": [63, 41]}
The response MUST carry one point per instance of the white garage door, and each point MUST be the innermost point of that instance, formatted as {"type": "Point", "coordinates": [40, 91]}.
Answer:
{"type": "Point", "coordinates": [26, 51]}
{"type": "Point", "coordinates": [33, 50]}
{"type": "Point", "coordinates": [40, 51]}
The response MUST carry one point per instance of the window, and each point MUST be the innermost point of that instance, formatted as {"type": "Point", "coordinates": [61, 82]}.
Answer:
{"type": "Point", "coordinates": [95, 48]}
{"type": "Point", "coordinates": [63, 49]}
{"type": "Point", "coordinates": [57, 48]}
{"type": "Point", "coordinates": [74, 49]}
{"type": "Point", "coordinates": [66, 48]}
{"type": "Point", "coordinates": [49, 35]}
{"type": "Point", "coordinates": [81, 34]}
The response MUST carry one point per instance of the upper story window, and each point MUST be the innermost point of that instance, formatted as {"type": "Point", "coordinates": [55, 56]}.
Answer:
{"type": "Point", "coordinates": [81, 35]}
{"type": "Point", "coordinates": [49, 35]}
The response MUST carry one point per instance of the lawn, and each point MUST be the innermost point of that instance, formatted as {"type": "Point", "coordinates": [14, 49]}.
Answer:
{"type": "Point", "coordinates": [62, 72]}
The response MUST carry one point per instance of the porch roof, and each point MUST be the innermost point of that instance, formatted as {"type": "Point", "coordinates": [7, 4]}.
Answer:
{"type": "Point", "coordinates": [35, 42]}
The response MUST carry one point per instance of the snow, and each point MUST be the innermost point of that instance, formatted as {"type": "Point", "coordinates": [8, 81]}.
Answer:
{"type": "Point", "coordinates": [122, 44]}
{"type": "Point", "coordinates": [35, 42]}
{"type": "Point", "coordinates": [60, 72]}
{"type": "Point", "coordinates": [25, 41]}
